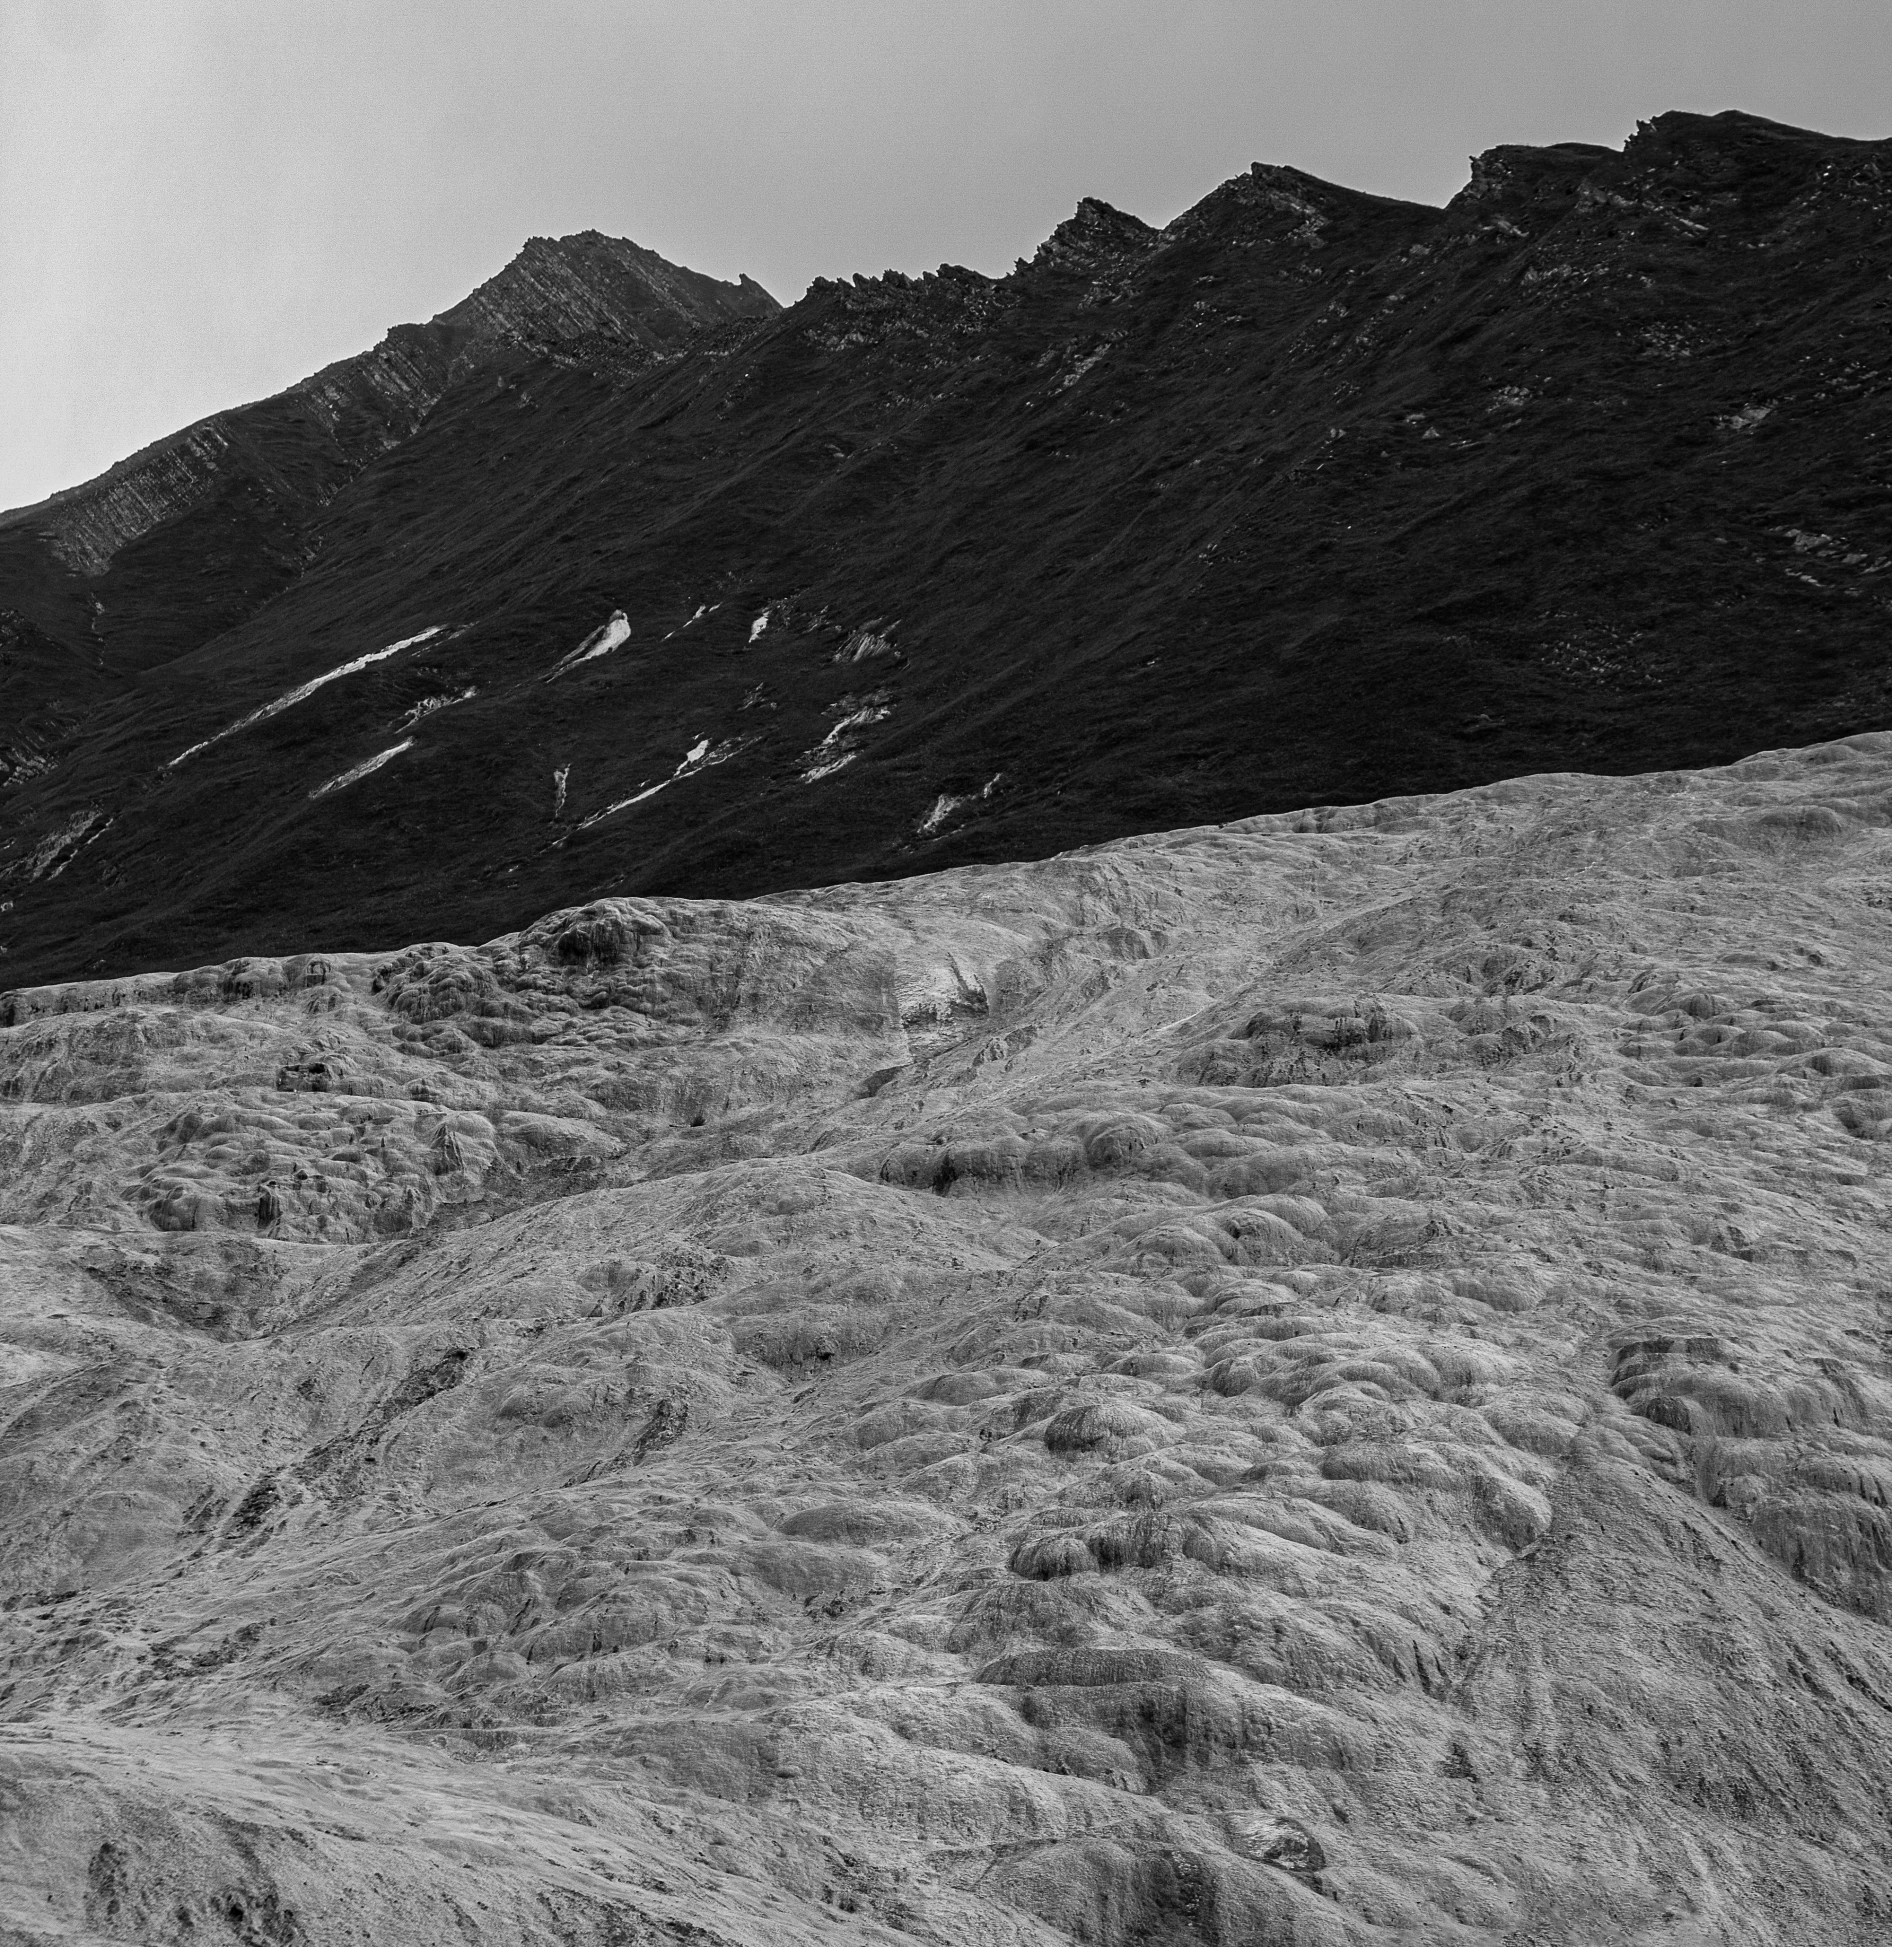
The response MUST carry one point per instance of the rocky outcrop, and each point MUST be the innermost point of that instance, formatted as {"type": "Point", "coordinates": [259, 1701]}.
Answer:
{"type": "Point", "coordinates": [587, 290]}
{"type": "Point", "coordinates": [1316, 1379]}
{"type": "Point", "coordinates": [1095, 238]}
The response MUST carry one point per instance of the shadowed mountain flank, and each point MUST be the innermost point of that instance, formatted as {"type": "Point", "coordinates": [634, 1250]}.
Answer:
{"type": "Point", "coordinates": [1322, 1379]}
{"type": "Point", "coordinates": [1309, 496]}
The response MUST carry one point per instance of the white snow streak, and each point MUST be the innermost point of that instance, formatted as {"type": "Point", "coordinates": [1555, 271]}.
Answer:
{"type": "Point", "coordinates": [303, 692]}
{"type": "Point", "coordinates": [946, 804]}
{"type": "Point", "coordinates": [429, 704]}
{"type": "Point", "coordinates": [874, 713]}
{"type": "Point", "coordinates": [57, 851]}
{"type": "Point", "coordinates": [600, 642]}
{"type": "Point", "coordinates": [361, 770]}
{"type": "Point", "coordinates": [943, 808]}
{"type": "Point", "coordinates": [863, 645]}
{"type": "Point", "coordinates": [834, 752]}
{"type": "Point", "coordinates": [701, 756]}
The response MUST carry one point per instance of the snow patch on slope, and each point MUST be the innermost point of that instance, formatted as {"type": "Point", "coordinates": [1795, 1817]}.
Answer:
{"type": "Point", "coordinates": [864, 645]}
{"type": "Point", "coordinates": [59, 848]}
{"type": "Point", "coordinates": [702, 609]}
{"type": "Point", "coordinates": [429, 705]}
{"type": "Point", "coordinates": [943, 808]}
{"type": "Point", "coordinates": [600, 642]}
{"type": "Point", "coordinates": [701, 756]}
{"type": "Point", "coordinates": [946, 804]}
{"type": "Point", "coordinates": [304, 691]}
{"type": "Point", "coordinates": [838, 749]}
{"type": "Point", "coordinates": [362, 770]}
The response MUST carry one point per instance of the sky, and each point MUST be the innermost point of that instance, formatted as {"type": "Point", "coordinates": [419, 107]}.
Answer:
{"type": "Point", "coordinates": [202, 201]}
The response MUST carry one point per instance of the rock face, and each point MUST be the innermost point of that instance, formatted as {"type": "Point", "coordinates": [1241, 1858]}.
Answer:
{"type": "Point", "coordinates": [568, 297]}
{"type": "Point", "coordinates": [1321, 1380]}
{"type": "Point", "coordinates": [1309, 496]}
{"type": "Point", "coordinates": [558, 299]}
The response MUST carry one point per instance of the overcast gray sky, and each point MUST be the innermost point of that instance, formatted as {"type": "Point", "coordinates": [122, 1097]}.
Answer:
{"type": "Point", "coordinates": [202, 200]}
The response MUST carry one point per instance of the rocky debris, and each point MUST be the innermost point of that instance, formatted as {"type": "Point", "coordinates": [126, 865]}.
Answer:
{"type": "Point", "coordinates": [1323, 1378]}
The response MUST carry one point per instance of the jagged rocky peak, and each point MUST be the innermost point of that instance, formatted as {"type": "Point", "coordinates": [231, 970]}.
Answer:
{"type": "Point", "coordinates": [1734, 144]}
{"type": "Point", "coordinates": [1787, 185]}
{"type": "Point", "coordinates": [563, 288]}
{"type": "Point", "coordinates": [1094, 235]}
{"type": "Point", "coordinates": [891, 284]}
{"type": "Point", "coordinates": [941, 307]}
{"type": "Point", "coordinates": [1515, 175]}
{"type": "Point", "coordinates": [1702, 171]}
{"type": "Point", "coordinates": [1272, 203]}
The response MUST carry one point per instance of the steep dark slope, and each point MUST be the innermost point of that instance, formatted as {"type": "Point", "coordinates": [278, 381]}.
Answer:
{"type": "Point", "coordinates": [1310, 497]}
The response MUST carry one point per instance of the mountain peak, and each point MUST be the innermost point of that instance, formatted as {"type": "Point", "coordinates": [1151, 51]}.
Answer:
{"type": "Point", "coordinates": [1274, 204]}
{"type": "Point", "coordinates": [558, 289]}
{"type": "Point", "coordinates": [604, 299]}
{"type": "Point", "coordinates": [1703, 171]}
{"type": "Point", "coordinates": [1095, 233]}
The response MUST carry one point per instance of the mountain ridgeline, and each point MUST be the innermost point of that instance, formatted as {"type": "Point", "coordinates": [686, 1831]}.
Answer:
{"type": "Point", "coordinates": [617, 580]}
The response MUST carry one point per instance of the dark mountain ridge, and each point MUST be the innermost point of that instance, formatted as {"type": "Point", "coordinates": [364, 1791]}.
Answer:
{"type": "Point", "coordinates": [567, 299]}
{"type": "Point", "coordinates": [1311, 496]}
